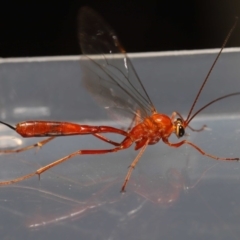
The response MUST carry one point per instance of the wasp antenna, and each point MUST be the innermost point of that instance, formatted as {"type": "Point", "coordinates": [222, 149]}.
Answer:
{"type": "Point", "coordinates": [210, 70]}
{"type": "Point", "coordinates": [8, 125]}
{"type": "Point", "coordinates": [210, 103]}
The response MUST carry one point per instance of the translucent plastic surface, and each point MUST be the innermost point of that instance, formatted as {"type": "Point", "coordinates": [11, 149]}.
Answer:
{"type": "Point", "coordinates": [172, 194]}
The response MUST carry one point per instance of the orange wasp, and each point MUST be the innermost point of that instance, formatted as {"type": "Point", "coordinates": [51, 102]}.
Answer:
{"type": "Point", "coordinates": [111, 78]}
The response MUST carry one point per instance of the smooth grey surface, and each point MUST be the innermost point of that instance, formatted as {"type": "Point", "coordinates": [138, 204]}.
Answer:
{"type": "Point", "coordinates": [173, 193]}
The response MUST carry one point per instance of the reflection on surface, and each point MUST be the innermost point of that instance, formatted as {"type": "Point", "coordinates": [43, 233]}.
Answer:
{"type": "Point", "coordinates": [106, 201]}
{"type": "Point", "coordinates": [163, 190]}
{"type": "Point", "coordinates": [166, 193]}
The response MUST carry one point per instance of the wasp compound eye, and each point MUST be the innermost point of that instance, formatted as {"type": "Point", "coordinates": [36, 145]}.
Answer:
{"type": "Point", "coordinates": [181, 131]}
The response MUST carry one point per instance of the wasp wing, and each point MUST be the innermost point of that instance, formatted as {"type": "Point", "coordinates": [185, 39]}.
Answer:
{"type": "Point", "coordinates": [107, 71]}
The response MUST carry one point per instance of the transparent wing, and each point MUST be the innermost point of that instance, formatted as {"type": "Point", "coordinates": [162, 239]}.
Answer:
{"type": "Point", "coordinates": [108, 73]}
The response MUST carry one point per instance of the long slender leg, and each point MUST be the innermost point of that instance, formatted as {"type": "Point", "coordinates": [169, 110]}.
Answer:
{"type": "Point", "coordinates": [45, 141]}
{"type": "Point", "coordinates": [106, 139]}
{"type": "Point", "coordinates": [165, 140]}
{"type": "Point", "coordinates": [127, 142]}
{"type": "Point", "coordinates": [132, 166]}
{"type": "Point", "coordinates": [61, 160]}
{"type": "Point", "coordinates": [36, 145]}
